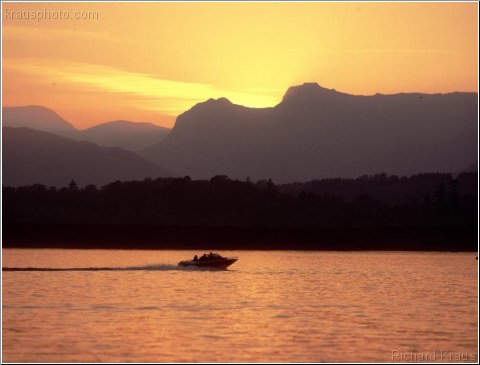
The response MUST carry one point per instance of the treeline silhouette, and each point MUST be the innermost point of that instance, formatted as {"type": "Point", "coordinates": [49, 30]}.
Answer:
{"type": "Point", "coordinates": [438, 204]}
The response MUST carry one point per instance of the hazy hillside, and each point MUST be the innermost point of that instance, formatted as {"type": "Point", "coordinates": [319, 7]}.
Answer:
{"type": "Point", "coordinates": [316, 133]}
{"type": "Point", "coordinates": [132, 136]}
{"type": "Point", "coordinates": [39, 118]}
{"type": "Point", "coordinates": [31, 156]}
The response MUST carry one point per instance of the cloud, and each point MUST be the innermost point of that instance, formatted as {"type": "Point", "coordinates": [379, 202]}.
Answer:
{"type": "Point", "coordinates": [154, 93]}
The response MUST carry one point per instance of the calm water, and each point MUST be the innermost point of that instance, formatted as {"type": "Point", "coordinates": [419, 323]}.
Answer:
{"type": "Point", "coordinates": [268, 307]}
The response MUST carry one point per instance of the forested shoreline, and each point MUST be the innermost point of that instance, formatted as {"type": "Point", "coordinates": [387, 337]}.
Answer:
{"type": "Point", "coordinates": [424, 211]}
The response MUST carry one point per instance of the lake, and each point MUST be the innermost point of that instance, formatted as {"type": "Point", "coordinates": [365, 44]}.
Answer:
{"type": "Point", "coordinates": [270, 306]}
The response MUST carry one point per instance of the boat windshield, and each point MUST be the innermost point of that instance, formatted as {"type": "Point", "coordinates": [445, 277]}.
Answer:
{"type": "Point", "coordinates": [209, 257]}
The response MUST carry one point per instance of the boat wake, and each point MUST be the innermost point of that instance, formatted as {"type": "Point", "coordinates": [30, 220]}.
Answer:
{"type": "Point", "coordinates": [154, 267]}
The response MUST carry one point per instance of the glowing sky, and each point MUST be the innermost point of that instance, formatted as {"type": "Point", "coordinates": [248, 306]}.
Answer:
{"type": "Point", "coordinates": [152, 61]}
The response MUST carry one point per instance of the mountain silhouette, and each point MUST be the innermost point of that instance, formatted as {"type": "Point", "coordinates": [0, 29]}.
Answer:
{"type": "Point", "coordinates": [37, 117]}
{"type": "Point", "coordinates": [131, 136]}
{"type": "Point", "coordinates": [36, 157]}
{"type": "Point", "coordinates": [317, 133]}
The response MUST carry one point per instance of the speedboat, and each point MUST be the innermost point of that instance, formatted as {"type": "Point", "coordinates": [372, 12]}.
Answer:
{"type": "Point", "coordinates": [212, 260]}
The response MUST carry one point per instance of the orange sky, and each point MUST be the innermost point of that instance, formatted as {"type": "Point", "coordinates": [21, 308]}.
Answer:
{"type": "Point", "coordinates": [152, 61]}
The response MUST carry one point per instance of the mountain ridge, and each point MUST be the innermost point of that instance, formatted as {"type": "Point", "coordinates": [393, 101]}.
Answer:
{"type": "Point", "coordinates": [129, 135]}
{"type": "Point", "coordinates": [37, 157]}
{"type": "Point", "coordinates": [317, 132]}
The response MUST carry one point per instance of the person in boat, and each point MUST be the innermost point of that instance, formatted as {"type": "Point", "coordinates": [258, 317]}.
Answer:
{"type": "Point", "coordinates": [195, 258]}
{"type": "Point", "coordinates": [203, 258]}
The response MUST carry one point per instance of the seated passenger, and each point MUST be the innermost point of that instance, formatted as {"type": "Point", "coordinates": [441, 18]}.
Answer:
{"type": "Point", "coordinates": [195, 258]}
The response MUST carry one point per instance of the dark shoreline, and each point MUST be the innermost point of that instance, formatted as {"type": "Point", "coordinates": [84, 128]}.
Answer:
{"type": "Point", "coordinates": [81, 236]}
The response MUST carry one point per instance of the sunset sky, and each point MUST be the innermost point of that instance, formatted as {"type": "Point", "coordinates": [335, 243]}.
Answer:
{"type": "Point", "coordinates": [152, 61]}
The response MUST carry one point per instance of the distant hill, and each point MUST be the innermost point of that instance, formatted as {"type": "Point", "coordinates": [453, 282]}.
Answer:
{"type": "Point", "coordinates": [39, 118]}
{"type": "Point", "coordinates": [132, 136]}
{"type": "Point", "coordinates": [31, 156]}
{"type": "Point", "coordinates": [317, 133]}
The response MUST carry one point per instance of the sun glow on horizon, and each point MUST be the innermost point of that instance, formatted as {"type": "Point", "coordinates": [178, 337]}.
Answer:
{"type": "Point", "coordinates": [153, 61]}
{"type": "Point", "coordinates": [170, 97]}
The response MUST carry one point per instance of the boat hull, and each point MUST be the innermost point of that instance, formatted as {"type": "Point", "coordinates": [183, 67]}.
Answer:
{"type": "Point", "coordinates": [217, 264]}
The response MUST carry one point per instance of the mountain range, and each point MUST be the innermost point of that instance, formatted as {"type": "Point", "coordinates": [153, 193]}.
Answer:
{"type": "Point", "coordinates": [131, 136]}
{"type": "Point", "coordinates": [316, 133]}
{"type": "Point", "coordinates": [31, 156]}
{"type": "Point", "coordinates": [313, 133]}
